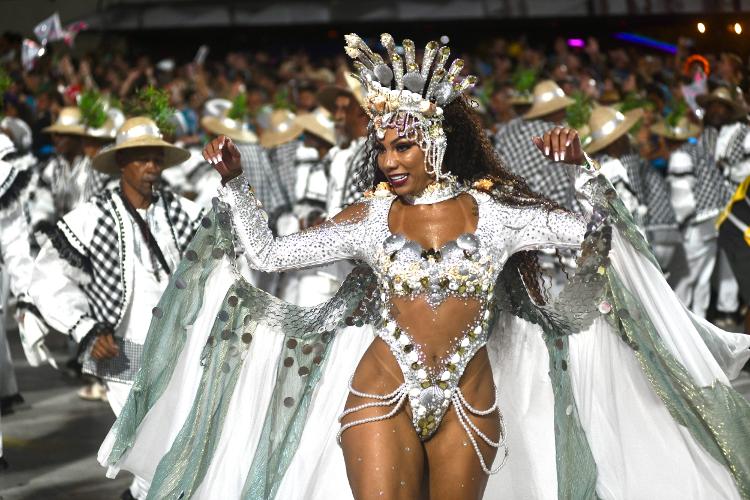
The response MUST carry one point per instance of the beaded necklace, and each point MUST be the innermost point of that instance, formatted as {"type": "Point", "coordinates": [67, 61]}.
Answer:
{"type": "Point", "coordinates": [442, 190]}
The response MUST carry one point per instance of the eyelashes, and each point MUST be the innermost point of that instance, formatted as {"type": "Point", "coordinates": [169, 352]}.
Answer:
{"type": "Point", "coordinates": [400, 148]}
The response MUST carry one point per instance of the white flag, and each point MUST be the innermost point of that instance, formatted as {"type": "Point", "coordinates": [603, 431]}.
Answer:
{"type": "Point", "coordinates": [49, 30]}
{"type": "Point", "coordinates": [30, 52]}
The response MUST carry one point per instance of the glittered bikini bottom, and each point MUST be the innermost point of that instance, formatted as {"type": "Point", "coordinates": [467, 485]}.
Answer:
{"type": "Point", "coordinates": [430, 392]}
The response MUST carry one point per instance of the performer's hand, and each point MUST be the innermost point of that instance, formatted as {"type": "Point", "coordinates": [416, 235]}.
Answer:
{"type": "Point", "coordinates": [561, 144]}
{"type": "Point", "coordinates": [104, 347]}
{"type": "Point", "coordinates": [224, 156]}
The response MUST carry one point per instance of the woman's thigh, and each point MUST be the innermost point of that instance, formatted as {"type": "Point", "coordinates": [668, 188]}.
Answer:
{"type": "Point", "coordinates": [453, 467]}
{"type": "Point", "coordinates": [384, 458]}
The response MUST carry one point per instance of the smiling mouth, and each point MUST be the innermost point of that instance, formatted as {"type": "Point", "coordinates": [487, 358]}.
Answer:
{"type": "Point", "coordinates": [398, 180]}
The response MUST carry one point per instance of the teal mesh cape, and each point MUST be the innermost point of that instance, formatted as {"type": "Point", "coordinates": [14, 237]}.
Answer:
{"type": "Point", "coordinates": [717, 417]}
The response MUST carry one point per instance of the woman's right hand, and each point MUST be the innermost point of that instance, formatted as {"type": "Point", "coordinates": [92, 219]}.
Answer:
{"type": "Point", "coordinates": [224, 156]}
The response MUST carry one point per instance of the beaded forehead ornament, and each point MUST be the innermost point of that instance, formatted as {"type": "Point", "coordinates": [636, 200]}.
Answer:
{"type": "Point", "coordinates": [408, 97]}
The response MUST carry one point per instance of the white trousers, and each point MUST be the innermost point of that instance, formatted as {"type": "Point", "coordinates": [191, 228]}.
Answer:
{"type": "Point", "coordinates": [691, 270]}
{"type": "Point", "coordinates": [727, 300]}
{"type": "Point", "coordinates": [117, 394]}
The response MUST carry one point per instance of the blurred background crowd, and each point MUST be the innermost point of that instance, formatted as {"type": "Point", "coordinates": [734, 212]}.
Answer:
{"type": "Point", "coordinates": [660, 101]}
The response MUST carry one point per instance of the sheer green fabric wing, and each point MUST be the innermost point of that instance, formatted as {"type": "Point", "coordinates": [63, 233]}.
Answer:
{"type": "Point", "coordinates": [718, 417]}
{"type": "Point", "coordinates": [175, 313]}
{"type": "Point", "coordinates": [306, 332]}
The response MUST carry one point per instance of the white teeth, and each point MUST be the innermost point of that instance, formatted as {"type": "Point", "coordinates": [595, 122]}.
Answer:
{"type": "Point", "coordinates": [398, 177]}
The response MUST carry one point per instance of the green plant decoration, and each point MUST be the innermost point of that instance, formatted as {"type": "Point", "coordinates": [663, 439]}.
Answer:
{"type": "Point", "coordinates": [578, 113]}
{"type": "Point", "coordinates": [524, 80]}
{"type": "Point", "coordinates": [93, 109]}
{"type": "Point", "coordinates": [154, 103]}
{"type": "Point", "coordinates": [679, 110]}
{"type": "Point", "coordinates": [238, 111]}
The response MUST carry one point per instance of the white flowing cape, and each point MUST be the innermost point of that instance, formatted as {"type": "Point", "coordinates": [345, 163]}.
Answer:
{"type": "Point", "coordinates": [639, 449]}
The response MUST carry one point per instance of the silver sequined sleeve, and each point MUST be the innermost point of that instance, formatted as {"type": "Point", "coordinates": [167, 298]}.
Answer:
{"type": "Point", "coordinates": [559, 228]}
{"type": "Point", "coordinates": [329, 242]}
{"type": "Point", "coordinates": [549, 229]}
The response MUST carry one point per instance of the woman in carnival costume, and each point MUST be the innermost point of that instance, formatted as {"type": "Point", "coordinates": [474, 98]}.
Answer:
{"type": "Point", "coordinates": [441, 351]}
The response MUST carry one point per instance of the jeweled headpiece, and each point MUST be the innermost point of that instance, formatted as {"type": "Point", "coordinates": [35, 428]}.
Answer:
{"type": "Point", "coordinates": [403, 95]}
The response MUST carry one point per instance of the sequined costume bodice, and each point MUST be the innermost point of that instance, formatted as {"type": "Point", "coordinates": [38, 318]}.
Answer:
{"type": "Point", "coordinates": [465, 268]}
{"type": "Point", "coordinates": [460, 269]}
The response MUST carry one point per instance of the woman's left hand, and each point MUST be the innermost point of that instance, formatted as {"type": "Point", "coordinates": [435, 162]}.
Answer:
{"type": "Point", "coordinates": [561, 144]}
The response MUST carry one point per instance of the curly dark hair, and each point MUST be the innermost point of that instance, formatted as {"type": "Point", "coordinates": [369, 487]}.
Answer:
{"type": "Point", "coordinates": [470, 156]}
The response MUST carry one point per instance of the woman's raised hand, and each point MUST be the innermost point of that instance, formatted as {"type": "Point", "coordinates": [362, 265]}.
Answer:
{"type": "Point", "coordinates": [224, 156]}
{"type": "Point", "coordinates": [561, 144]}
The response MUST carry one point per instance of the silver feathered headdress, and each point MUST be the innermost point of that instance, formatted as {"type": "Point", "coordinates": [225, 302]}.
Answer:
{"type": "Point", "coordinates": [406, 96]}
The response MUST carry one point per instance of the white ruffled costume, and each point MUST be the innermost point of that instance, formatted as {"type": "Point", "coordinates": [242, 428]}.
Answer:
{"type": "Point", "coordinates": [638, 447]}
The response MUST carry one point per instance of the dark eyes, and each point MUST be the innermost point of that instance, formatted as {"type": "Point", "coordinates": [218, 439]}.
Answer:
{"type": "Point", "coordinates": [399, 148]}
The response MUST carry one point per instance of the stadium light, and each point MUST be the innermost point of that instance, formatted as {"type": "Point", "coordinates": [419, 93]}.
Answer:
{"type": "Point", "coordinates": [701, 28]}
{"type": "Point", "coordinates": [578, 43]}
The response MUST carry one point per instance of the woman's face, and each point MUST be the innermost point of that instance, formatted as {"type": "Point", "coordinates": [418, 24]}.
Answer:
{"type": "Point", "coordinates": [403, 164]}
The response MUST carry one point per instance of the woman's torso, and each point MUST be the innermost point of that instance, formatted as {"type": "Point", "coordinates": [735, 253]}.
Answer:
{"type": "Point", "coordinates": [436, 267]}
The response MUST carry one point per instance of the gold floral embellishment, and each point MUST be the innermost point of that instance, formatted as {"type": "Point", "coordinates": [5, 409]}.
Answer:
{"type": "Point", "coordinates": [484, 184]}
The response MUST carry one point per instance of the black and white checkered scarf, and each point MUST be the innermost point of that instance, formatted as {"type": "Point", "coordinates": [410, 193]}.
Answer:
{"type": "Point", "coordinates": [258, 170]}
{"type": "Point", "coordinates": [521, 156]}
{"type": "Point", "coordinates": [103, 259]}
{"type": "Point", "coordinates": [733, 155]}
{"type": "Point", "coordinates": [283, 160]}
{"type": "Point", "coordinates": [710, 189]}
{"type": "Point", "coordinates": [360, 174]}
{"type": "Point", "coordinates": [650, 188]}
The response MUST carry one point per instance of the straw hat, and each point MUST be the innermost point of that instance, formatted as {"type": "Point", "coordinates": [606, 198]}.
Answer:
{"type": "Point", "coordinates": [68, 122]}
{"type": "Point", "coordinates": [318, 123]}
{"type": "Point", "coordinates": [682, 131]}
{"type": "Point", "coordinates": [521, 98]}
{"type": "Point", "coordinates": [138, 132]}
{"type": "Point", "coordinates": [610, 97]}
{"type": "Point", "coordinates": [723, 95]}
{"type": "Point", "coordinates": [217, 107]}
{"type": "Point", "coordinates": [548, 98]}
{"type": "Point", "coordinates": [327, 96]}
{"type": "Point", "coordinates": [216, 121]}
{"type": "Point", "coordinates": [282, 129]}
{"type": "Point", "coordinates": [607, 125]}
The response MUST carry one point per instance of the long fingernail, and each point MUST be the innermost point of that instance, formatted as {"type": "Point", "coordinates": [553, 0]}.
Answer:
{"type": "Point", "coordinates": [568, 143]}
{"type": "Point", "coordinates": [557, 157]}
{"type": "Point", "coordinates": [546, 150]}
{"type": "Point", "coordinates": [562, 156]}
